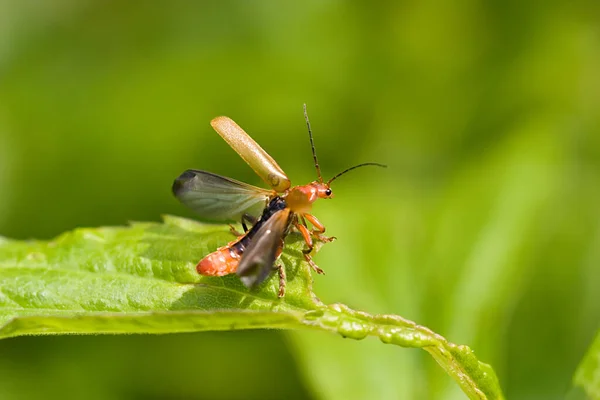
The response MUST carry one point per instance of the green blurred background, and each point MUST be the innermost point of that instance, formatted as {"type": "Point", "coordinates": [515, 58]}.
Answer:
{"type": "Point", "coordinates": [485, 227]}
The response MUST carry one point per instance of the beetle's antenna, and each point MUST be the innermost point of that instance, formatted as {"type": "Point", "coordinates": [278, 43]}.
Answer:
{"type": "Point", "coordinates": [356, 166]}
{"type": "Point", "coordinates": [312, 145]}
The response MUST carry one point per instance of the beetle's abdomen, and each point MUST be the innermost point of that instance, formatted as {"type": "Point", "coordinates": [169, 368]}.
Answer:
{"type": "Point", "coordinates": [224, 261]}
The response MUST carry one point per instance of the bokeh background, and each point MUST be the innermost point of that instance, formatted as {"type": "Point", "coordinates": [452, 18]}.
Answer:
{"type": "Point", "coordinates": [485, 227]}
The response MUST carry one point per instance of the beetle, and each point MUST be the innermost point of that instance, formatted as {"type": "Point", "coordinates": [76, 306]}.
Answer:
{"type": "Point", "coordinates": [214, 197]}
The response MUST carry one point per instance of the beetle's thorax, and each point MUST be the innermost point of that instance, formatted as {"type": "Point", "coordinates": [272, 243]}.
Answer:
{"type": "Point", "coordinates": [300, 198]}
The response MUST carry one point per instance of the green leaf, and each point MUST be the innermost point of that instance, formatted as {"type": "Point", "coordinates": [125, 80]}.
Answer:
{"type": "Point", "coordinates": [142, 279]}
{"type": "Point", "coordinates": [588, 373]}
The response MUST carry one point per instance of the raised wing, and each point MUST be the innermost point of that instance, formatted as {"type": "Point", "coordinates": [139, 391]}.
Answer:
{"type": "Point", "coordinates": [217, 198]}
{"type": "Point", "coordinates": [254, 155]}
{"type": "Point", "coordinates": [258, 259]}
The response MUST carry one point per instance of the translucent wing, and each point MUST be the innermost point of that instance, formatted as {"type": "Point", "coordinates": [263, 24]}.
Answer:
{"type": "Point", "coordinates": [217, 198]}
{"type": "Point", "coordinates": [258, 259]}
{"type": "Point", "coordinates": [254, 155]}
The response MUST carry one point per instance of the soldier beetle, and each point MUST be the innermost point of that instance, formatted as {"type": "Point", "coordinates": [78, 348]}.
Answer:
{"type": "Point", "coordinates": [253, 254]}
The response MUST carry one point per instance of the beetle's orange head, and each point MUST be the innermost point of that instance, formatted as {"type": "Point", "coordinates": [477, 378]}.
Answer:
{"type": "Point", "coordinates": [322, 190]}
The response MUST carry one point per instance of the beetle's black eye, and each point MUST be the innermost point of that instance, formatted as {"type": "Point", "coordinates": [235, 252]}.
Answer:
{"type": "Point", "coordinates": [328, 192]}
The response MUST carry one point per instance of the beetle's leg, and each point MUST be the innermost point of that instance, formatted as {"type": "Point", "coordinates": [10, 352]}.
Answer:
{"type": "Point", "coordinates": [281, 270]}
{"type": "Point", "coordinates": [308, 239]}
{"type": "Point", "coordinates": [312, 264]}
{"type": "Point", "coordinates": [281, 281]}
{"type": "Point", "coordinates": [306, 236]}
{"type": "Point", "coordinates": [235, 231]}
{"type": "Point", "coordinates": [250, 219]}
{"type": "Point", "coordinates": [319, 229]}
{"type": "Point", "coordinates": [245, 218]}
{"type": "Point", "coordinates": [318, 226]}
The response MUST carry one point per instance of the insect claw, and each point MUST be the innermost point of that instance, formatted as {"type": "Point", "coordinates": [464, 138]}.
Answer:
{"type": "Point", "coordinates": [319, 270]}
{"type": "Point", "coordinates": [326, 239]}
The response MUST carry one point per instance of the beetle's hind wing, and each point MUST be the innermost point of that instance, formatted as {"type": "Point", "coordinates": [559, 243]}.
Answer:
{"type": "Point", "coordinates": [218, 198]}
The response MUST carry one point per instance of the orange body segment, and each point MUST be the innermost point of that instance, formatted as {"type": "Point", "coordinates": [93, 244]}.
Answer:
{"type": "Point", "coordinates": [223, 261]}
{"type": "Point", "coordinates": [300, 198]}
